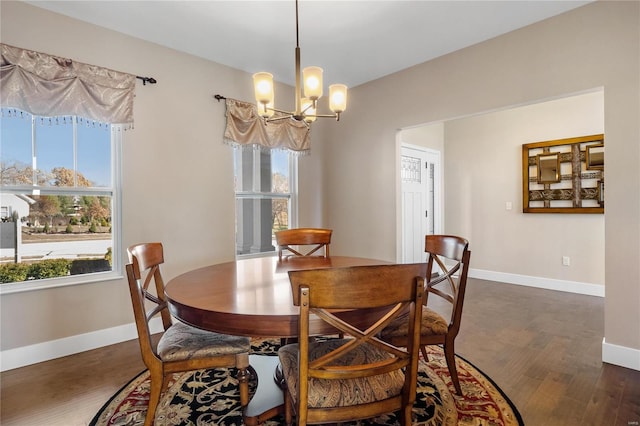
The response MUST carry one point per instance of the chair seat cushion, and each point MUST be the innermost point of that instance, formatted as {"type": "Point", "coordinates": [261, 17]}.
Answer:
{"type": "Point", "coordinates": [182, 341]}
{"type": "Point", "coordinates": [340, 393]}
{"type": "Point", "coordinates": [432, 324]}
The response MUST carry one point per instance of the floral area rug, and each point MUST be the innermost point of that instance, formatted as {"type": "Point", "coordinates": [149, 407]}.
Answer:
{"type": "Point", "coordinates": [211, 397]}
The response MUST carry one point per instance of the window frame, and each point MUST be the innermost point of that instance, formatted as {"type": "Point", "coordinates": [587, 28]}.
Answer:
{"type": "Point", "coordinates": [114, 191]}
{"type": "Point", "coordinates": [291, 196]}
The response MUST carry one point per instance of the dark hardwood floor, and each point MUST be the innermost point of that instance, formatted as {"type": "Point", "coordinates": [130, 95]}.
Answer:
{"type": "Point", "coordinates": [542, 347]}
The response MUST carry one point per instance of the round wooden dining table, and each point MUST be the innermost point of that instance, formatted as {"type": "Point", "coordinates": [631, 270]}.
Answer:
{"type": "Point", "coordinates": [252, 297]}
{"type": "Point", "coordinates": [247, 297]}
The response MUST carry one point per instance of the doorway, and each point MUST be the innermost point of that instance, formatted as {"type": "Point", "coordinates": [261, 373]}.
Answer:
{"type": "Point", "coordinates": [421, 206]}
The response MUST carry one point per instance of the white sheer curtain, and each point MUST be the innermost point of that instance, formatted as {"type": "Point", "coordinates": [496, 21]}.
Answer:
{"type": "Point", "coordinates": [46, 85]}
{"type": "Point", "coordinates": [246, 128]}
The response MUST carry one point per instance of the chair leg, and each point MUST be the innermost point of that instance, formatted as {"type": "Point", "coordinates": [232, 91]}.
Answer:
{"type": "Point", "coordinates": [243, 383]}
{"type": "Point", "coordinates": [405, 415]}
{"type": "Point", "coordinates": [423, 349]}
{"type": "Point", "coordinates": [288, 416]}
{"type": "Point", "coordinates": [244, 373]}
{"type": "Point", "coordinates": [450, 355]}
{"type": "Point", "coordinates": [157, 384]}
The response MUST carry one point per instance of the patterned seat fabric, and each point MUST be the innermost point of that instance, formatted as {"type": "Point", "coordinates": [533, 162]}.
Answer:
{"type": "Point", "coordinates": [432, 324]}
{"type": "Point", "coordinates": [341, 393]}
{"type": "Point", "coordinates": [181, 342]}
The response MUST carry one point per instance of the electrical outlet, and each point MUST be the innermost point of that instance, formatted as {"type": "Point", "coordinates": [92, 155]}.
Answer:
{"type": "Point", "coordinates": [566, 260]}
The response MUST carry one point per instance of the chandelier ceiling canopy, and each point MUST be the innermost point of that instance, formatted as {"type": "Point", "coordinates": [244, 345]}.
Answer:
{"type": "Point", "coordinates": [306, 101]}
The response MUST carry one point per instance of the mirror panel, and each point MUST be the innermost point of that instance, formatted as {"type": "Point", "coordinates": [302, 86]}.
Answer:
{"type": "Point", "coordinates": [595, 157]}
{"type": "Point", "coordinates": [548, 168]}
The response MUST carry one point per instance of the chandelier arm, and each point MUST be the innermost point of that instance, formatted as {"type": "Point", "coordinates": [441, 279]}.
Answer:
{"type": "Point", "coordinates": [269, 120]}
{"type": "Point", "coordinates": [324, 115]}
{"type": "Point", "coordinates": [305, 110]}
{"type": "Point", "coordinates": [281, 111]}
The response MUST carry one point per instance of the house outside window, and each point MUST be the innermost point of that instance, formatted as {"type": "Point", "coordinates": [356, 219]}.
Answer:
{"type": "Point", "coordinates": [60, 178]}
{"type": "Point", "coordinates": [265, 190]}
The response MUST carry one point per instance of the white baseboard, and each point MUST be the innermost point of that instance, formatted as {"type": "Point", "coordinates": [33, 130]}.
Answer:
{"type": "Point", "coordinates": [33, 354]}
{"type": "Point", "coordinates": [539, 282]}
{"type": "Point", "coordinates": [620, 355]}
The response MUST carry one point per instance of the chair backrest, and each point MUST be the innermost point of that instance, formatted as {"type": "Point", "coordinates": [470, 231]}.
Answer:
{"type": "Point", "coordinates": [392, 289]}
{"type": "Point", "coordinates": [451, 254]}
{"type": "Point", "coordinates": [143, 272]}
{"type": "Point", "coordinates": [317, 238]}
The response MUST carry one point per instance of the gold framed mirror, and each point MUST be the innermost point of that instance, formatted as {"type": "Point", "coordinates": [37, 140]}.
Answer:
{"type": "Point", "coordinates": [595, 157]}
{"type": "Point", "coordinates": [548, 167]}
{"type": "Point", "coordinates": [564, 175]}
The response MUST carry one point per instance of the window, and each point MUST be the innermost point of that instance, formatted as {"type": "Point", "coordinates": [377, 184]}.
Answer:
{"type": "Point", "coordinates": [59, 180]}
{"type": "Point", "coordinates": [265, 187]}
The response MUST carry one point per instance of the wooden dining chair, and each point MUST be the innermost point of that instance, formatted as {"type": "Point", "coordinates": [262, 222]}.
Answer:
{"type": "Point", "coordinates": [312, 239]}
{"type": "Point", "coordinates": [338, 380]}
{"type": "Point", "coordinates": [447, 265]}
{"type": "Point", "coordinates": [181, 348]}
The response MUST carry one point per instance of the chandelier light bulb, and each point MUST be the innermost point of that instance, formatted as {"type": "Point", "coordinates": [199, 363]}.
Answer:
{"type": "Point", "coordinates": [263, 87]}
{"type": "Point", "coordinates": [312, 77]}
{"type": "Point", "coordinates": [338, 98]}
{"type": "Point", "coordinates": [312, 83]}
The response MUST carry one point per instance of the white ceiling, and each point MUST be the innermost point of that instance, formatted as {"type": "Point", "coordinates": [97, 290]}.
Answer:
{"type": "Point", "coordinates": [353, 41]}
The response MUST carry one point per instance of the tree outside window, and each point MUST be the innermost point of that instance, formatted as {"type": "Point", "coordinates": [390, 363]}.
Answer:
{"type": "Point", "coordinates": [57, 192]}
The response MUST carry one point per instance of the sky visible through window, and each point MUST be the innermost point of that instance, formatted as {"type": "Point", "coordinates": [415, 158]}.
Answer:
{"type": "Point", "coordinates": [54, 145]}
{"type": "Point", "coordinates": [280, 162]}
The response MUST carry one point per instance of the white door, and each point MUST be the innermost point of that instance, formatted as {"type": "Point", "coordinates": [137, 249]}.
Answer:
{"type": "Point", "coordinates": [420, 177]}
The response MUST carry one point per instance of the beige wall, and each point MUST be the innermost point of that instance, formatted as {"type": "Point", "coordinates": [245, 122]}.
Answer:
{"type": "Point", "coordinates": [429, 136]}
{"type": "Point", "coordinates": [595, 46]}
{"type": "Point", "coordinates": [348, 183]}
{"type": "Point", "coordinates": [489, 148]}
{"type": "Point", "coordinates": [177, 173]}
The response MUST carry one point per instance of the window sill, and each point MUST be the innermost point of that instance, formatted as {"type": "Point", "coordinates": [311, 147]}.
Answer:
{"type": "Point", "coordinates": [23, 286]}
{"type": "Point", "coordinates": [261, 254]}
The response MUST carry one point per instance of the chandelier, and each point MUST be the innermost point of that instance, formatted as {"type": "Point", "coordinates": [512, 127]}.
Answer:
{"type": "Point", "coordinates": [305, 102]}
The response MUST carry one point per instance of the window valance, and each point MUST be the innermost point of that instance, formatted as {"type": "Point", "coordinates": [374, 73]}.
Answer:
{"type": "Point", "coordinates": [46, 85]}
{"type": "Point", "coordinates": [245, 128]}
